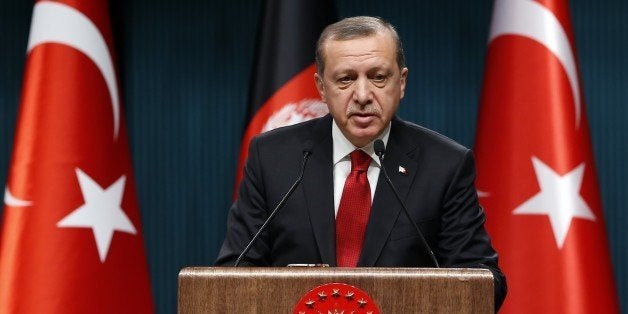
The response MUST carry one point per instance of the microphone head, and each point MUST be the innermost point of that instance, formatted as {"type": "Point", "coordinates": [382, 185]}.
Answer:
{"type": "Point", "coordinates": [379, 147]}
{"type": "Point", "coordinates": [307, 147]}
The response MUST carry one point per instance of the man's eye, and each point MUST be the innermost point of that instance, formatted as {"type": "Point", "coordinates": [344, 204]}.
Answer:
{"type": "Point", "coordinates": [379, 78]}
{"type": "Point", "coordinates": [344, 80]}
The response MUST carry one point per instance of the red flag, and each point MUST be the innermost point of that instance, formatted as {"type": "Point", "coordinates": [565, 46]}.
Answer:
{"type": "Point", "coordinates": [536, 173]}
{"type": "Point", "coordinates": [282, 89]}
{"type": "Point", "coordinates": [71, 238]}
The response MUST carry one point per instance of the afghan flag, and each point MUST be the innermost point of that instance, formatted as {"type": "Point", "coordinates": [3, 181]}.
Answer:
{"type": "Point", "coordinates": [536, 172]}
{"type": "Point", "coordinates": [71, 238]}
{"type": "Point", "coordinates": [282, 88]}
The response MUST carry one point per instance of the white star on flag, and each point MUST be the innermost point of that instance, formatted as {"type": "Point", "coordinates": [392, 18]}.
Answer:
{"type": "Point", "coordinates": [559, 199]}
{"type": "Point", "coordinates": [101, 212]}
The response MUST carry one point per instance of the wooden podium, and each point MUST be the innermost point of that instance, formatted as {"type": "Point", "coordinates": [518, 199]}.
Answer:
{"type": "Point", "coordinates": [278, 290]}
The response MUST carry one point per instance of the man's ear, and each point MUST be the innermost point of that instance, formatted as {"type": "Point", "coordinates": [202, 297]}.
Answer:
{"type": "Point", "coordinates": [404, 79]}
{"type": "Point", "coordinates": [318, 80]}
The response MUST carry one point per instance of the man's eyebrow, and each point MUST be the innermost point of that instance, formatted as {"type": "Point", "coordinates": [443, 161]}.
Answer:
{"type": "Point", "coordinates": [343, 72]}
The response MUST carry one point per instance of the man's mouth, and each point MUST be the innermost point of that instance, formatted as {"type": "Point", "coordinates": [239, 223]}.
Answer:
{"type": "Point", "coordinates": [362, 119]}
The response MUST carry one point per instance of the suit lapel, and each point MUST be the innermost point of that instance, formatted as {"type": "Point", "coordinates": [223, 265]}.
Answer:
{"type": "Point", "coordinates": [386, 207]}
{"type": "Point", "coordinates": [319, 191]}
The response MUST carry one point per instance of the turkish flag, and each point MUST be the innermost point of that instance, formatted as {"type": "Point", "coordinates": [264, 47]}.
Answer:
{"type": "Point", "coordinates": [282, 88]}
{"type": "Point", "coordinates": [71, 238]}
{"type": "Point", "coordinates": [536, 172]}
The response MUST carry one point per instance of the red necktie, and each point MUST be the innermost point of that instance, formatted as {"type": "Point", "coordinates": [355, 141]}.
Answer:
{"type": "Point", "coordinates": [353, 211]}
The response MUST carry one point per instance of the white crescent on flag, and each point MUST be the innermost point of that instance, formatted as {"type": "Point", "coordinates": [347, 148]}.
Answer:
{"type": "Point", "coordinates": [55, 22]}
{"type": "Point", "coordinates": [532, 20]}
{"type": "Point", "coordinates": [12, 201]}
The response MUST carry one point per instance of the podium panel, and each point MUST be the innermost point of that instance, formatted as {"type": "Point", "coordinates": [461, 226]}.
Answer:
{"type": "Point", "coordinates": [278, 290]}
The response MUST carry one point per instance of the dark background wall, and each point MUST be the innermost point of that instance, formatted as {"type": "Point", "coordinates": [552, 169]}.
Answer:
{"type": "Point", "coordinates": [185, 67]}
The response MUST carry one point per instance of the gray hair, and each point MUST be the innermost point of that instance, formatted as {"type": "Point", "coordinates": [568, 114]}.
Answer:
{"type": "Point", "coordinates": [356, 27]}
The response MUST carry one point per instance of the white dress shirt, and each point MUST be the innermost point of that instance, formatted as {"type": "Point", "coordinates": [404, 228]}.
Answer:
{"type": "Point", "coordinates": [342, 161]}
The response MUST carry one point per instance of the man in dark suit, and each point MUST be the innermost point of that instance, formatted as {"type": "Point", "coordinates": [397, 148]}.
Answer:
{"type": "Point", "coordinates": [345, 214]}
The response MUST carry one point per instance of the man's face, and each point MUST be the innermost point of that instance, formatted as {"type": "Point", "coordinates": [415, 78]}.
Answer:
{"type": "Point", "coordinates": [362, 85]}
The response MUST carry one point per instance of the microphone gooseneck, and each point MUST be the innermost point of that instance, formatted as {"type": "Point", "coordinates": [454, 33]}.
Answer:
{"type": "Point", "coordinates": [380, 151]}
{"type": "Point", "coordinates": [307, 152]}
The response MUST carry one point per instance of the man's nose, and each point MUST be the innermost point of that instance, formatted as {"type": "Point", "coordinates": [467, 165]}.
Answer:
{"type": "Point", "coordinates": [362, 94]}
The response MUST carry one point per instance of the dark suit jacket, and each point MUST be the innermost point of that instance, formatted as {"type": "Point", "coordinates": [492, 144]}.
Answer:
{"type": "Point", "coordinates": [437, 188]}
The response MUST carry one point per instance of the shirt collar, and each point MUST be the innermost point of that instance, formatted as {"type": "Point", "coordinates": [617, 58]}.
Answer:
{"type": "Point", "coordinates": [343, 147]}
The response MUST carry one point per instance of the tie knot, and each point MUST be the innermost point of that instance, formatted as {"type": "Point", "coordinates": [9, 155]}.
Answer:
{"type": "Point", "coordinates": [360, 161]}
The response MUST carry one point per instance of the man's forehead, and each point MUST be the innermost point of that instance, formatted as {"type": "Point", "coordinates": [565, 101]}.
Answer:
{"type": "Point", "coordinates": [360, 50]}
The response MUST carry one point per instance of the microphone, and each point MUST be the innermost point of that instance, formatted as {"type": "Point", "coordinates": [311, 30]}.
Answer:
{"type": "Point", "coordinates": [307, 152]}
{"type": "Point", "coordinates": [380, 151]}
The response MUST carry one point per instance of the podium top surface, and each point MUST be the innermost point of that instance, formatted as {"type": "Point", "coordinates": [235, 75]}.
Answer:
{"type": "Point", "coordinates": [458, 273]}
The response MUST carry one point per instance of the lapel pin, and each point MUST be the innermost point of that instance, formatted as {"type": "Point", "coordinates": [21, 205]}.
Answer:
{"type": "Point", "coordinates": [403, 170]}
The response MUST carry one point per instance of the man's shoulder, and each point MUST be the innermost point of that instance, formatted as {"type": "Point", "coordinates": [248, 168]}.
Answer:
{"type": "Point", "coordinates": [412, 134]}
{"type": "Point", "coordinates": [290, 131]}
{"type": "Point", "coordinates": [289, 139]}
